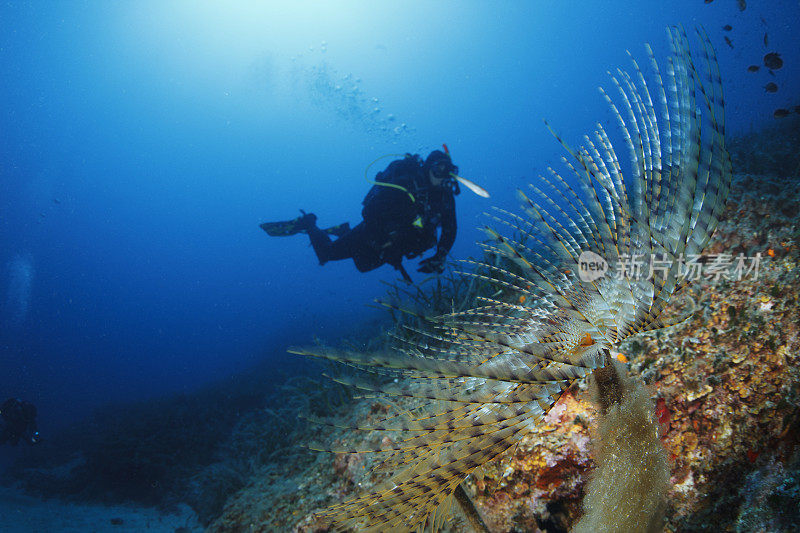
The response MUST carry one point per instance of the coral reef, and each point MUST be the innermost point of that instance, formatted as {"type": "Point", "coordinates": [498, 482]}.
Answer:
{"type": "Point", "coordinates": [725, 386]}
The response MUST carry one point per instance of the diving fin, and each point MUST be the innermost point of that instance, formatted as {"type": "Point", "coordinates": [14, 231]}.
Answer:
{"type": "Point", "coordinates": [283, 229]}
{"type": "Point", "coordinates": [301, 224]}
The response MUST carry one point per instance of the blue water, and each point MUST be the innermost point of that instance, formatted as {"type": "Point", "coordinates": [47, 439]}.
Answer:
{"type": "Point", "coordinates": [141, 144]}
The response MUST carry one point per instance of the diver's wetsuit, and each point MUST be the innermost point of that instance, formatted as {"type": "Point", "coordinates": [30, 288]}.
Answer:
{"type": "Point", "coordinates": [394, 225]}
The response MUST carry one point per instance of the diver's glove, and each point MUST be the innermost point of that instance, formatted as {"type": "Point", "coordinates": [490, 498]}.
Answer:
{"type": "Point", "coordinates": [432, 264]}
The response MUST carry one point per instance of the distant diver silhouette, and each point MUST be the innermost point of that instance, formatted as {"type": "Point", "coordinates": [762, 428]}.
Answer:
{"type": "Point", "coordinates": [18, 422]}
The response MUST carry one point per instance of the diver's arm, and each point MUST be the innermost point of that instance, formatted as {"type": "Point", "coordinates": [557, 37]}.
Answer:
{"type": "Point", "coordinates": [447, 237]}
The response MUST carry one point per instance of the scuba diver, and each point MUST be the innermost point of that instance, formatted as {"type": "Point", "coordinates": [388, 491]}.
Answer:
{"type": "Point", "coordinates": [18, 422]}
{"type": "Point", "coordinates": [410, 200]}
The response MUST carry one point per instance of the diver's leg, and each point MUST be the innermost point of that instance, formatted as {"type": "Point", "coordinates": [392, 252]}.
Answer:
{"type": "Point", "coordinates": [321, 242]}
{"type": "Point", "coordinates": [363, 251]}
{"type": "Point", "coordinates": [342, 248]}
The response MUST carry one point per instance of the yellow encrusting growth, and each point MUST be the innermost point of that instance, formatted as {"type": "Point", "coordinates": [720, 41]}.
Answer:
{"type": "Point", "coordinates": [626, 491]}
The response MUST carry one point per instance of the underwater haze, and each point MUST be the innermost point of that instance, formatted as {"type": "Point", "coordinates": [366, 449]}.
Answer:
{"type": "Point", "coordinates": [142, 143]}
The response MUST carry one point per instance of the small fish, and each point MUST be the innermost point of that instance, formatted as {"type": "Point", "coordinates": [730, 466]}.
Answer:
{"type": "Point", "coordinates": [728, 41]}
{"type": "Point", "coordinates": [742, 5]}
{"type": "Point", "coordinates": [708, 1]}
{"type": "Point", "coordinates": [727, 27]}
{"type": "Point", "coordinates": [753, 68]}
{"type": "Point", "coordinates": [796, 109]}
{"type": "Point", "coordinates": [766, 39]}
{"type": "Point", "coordinates": [771, 87]}
{"type": "Point", "coordinates": [474, 187]}
{"type": "Point", "coordinates": [780, 113]}
{"type": "Point", "coordinates": [773, 61]}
